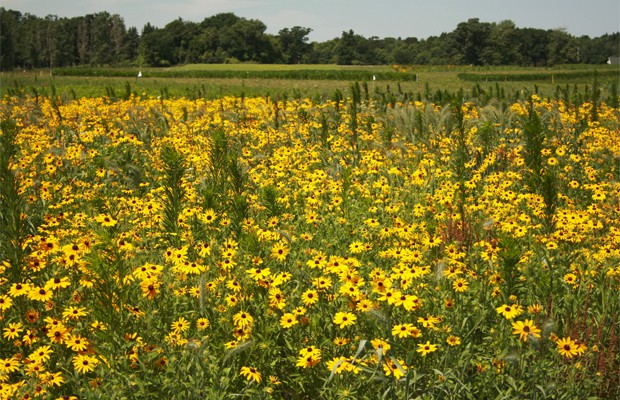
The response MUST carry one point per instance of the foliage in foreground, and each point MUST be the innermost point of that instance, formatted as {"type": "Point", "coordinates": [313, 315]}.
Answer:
{"type": "Point", "coordinates": [289, 249]}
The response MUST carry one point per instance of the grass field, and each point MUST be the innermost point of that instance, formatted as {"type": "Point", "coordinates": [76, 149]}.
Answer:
{"type": "Point", "coordinates": [314, 81]}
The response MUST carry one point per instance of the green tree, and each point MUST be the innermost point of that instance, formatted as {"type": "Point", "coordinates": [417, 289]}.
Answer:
{"type": "Point", "coordinates": [471, 39]}
{"type": "Point", "coordinates": [118, 36]}
{"type": "Point", "coordinates": [150, 49]}
{"type": "Point", "coordinates": [501, 46]}
{"type": "Point", "coordinates": [533, 46]}
{"type": "Point", "coordinates": [101, 42]}
{"type": "Point", "coordinates": [347, 48]}
{"type": "Point", "coordinates": [228, 38]}
{"type": "Point", "coordinates": [561, 48]}
{"type": "Point", "coordinates": [437, 50]}
{"type": "Point", "coordinates": [132, 44]}
{"type": "Point", "coordinates": [9, 23]}
{"type": "Point", "coordinates": [598, 50]}
{"type": "Point", "coordinates": [250, 43]}
{"type": "Point", "coordinates": [65, 42]}
{"type": "Point", "coordinates": [100, 38]}
{"type": "Point", "coordinates": [294, 43]}
{"type": "Point", "coordinates": [403, 53]}
{"type": "Point", "coordinates": [355, 49]}
{"type": "Point", "coordinates": [30, 43]}
{"type": "Point", "coordinates": [323, 52]}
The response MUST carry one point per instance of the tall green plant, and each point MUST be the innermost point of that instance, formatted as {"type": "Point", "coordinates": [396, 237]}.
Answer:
{"type": "Point", "coordinates": [174, 166]}
{"type": "Point", "coordinates": [15, 226]}
{"type": "Point", "coordinates": [540, 179]}
{"type": "Point", "coordinates": [226, 183]}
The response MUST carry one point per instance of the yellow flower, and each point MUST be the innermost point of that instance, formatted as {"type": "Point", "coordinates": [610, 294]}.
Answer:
{"type": "Point", "coordinates": [5, 303]}
{"type": "Point", "coordinates": [337, 364]}
{"type": "Point", "coordinates": [392, 366]}
{"type": "Point", "coordinates": [204, 249]}
{"type": "Point", "coordinates": [308, 357]}
{"type": "Point", "coordinates": [581, 347]}
{"type": "Point", "coordinates": [453, 340]}
{"type": "Point", "coordinates": [105, 220]}
{"type": "Point", "coordinates": [551, 245]}
{"type": "Point", "coordinates": [175, 339]}
{"type": "Point", "coordinates": [149, 288]}
{"type": "Point", "coordinates": [426, 348]}
{"type": "Point", "coordinates": [57, 334]}
{"type": "Point", "coordinates": [202, 323]}
{"type": "Point", "coordinates": [310, 297]}
{"type": "Point", "coordinates": [525, 329]}
{"type": "Point", "coordinates": [567, 347]}
{"type": "Point", "coordinates": [429, 321]}
{"type": "Point", "coordinates": [274, 380]}
{"type": "Point", "coordinates": [534, 308]}
{"type": "Point", "coordinates": [276, 298]}
{"type": "Point", "coordinates": [208, 216]}
{"type": "Point", "coordinates": [258, 273]}
{"type": "Point", "coordinates": [598, 196]}
{"type": "Point", "coordinates": [76, 342]}
{"type": "Point", "coordinates": [34, 368]}
{"type": "Point", "coordinates": [180, 325]}
{"type": "Point", "coordinates": [380, 344]}
{"type": "Point", "coordinates": [52, 379]}
{"type": "Point", "coordinates": [279, 251]}
{"type": "Point", "coordinates": [57, 283]}
{"type": "Point", "coordinates": [460, 285]}
{"type": "Point", "coordinates": [74, 313]}
{"type": "Point", "coordinates": [405, 330]}
{"type": "Point", "coordinates": [84, 363]}
{"type": "Point", "coordinates": [13, 330]}
{"type": "Point", "coordinates": [299, 311]}
{"type": "Point", "coordinates": [40, 294]}
{"type": "Point", "coordinates": [390, 295]}
{"type": "Point", "coordinates": [571, 279]}
{"type": "Point", "coordinates": [344, 319]}
{"type": "Point", "coordinates": [356, 247]}
{"type": "Point", "coordinates": [40, 355]}
{"type": "Point", "coordinates": [8, 365]}
{"type": "Point", "coordinates": [371, 222]}
{"type": "Point", "coordinates": [365, 305]}
{"type": "Point", "coordinates": [322, 283]}
{"type": "Point", "coordinates": [510, 312]}
{"type": "Point", "coordinates": [19, 289]}
{"type": "Point", "coordinates": [288, 320]}
{"type": "Point", "coordinates": [251, 374]}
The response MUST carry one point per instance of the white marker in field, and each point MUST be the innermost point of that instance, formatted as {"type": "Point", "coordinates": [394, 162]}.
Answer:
{"type": "Point", "coordinates": [139, 74]}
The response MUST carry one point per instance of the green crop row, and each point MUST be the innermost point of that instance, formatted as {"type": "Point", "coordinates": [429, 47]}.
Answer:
{"type": "Point", "coordinates": [345, 75]}
{"type": "Point", "coordinates": [538, 76]}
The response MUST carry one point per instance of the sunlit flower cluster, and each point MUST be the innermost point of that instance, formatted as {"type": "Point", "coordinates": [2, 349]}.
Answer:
{"type": "Point", "coordinates": [283, 244]}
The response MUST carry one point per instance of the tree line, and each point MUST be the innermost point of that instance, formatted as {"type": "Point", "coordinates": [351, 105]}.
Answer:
{"type": "Point", "coordinates": [101, 39]}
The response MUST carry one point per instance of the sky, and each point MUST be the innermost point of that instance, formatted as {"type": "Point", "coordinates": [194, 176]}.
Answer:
{"type": "Point", "coordinates": [329, 18]}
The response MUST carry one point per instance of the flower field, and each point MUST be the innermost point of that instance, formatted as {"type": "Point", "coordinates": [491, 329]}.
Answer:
{"type": "Point", "coordinates": [298, 249]}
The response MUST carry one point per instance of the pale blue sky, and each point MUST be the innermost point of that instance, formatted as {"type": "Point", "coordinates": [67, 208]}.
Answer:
{"type": "Point", "coordinates": [328, 18]}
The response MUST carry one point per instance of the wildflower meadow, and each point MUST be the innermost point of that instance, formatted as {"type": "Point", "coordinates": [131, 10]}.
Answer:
{"type": "Point", "coordinates": [343, 248]}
